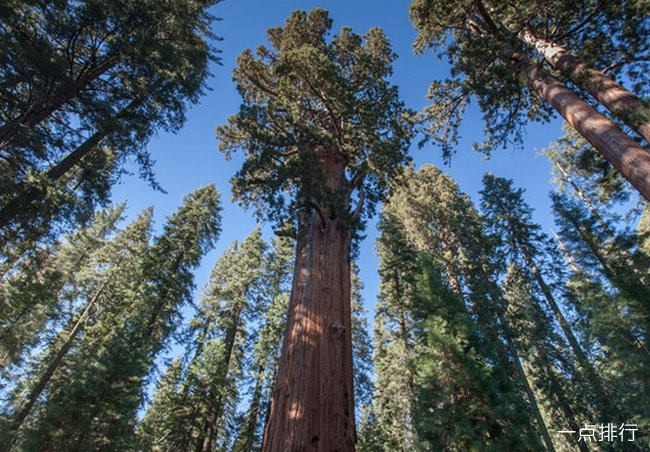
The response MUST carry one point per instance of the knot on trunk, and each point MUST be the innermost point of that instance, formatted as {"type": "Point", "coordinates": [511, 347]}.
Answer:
{"type": "Point", "coordinates": [337, 330]}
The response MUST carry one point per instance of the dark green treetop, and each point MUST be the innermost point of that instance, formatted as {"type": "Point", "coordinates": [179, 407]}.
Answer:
{"type": "Point", "coordinates": [309, 104]}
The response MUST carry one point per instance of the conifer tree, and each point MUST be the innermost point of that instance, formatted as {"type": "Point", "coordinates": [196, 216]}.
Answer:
{"type": "Point", "coordinates": [361, 346]}
{"type": "Point", "coordinates": [93, 403]}
{"type": "Point", "coordinates": [605, 292]}
{"type": "Point", "coordinates": [160, 422]}
{"type": "Point", "coordinates": [389, 422]}
{"type": "Point", "coordinates": [201, 417]}
{"type": "Point", "coordinates": [276, 286]}
{"type": "Point", "coordinates": [119, 262]}
{"type": "Point", "coordinates": [440, 222]}
{"type": "Point", "coordinates": [229, 301]}
{"type": "Point", "coordinates": [35, 291]}
{"type": "Point", "coordinates": [323, 131]}
{"type": "Point", "coordinates": [521, 242]}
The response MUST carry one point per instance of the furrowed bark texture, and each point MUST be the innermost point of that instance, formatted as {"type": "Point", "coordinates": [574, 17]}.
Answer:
{"type": "Point", "coordinates": [627, 156]}
{"type": "Point", "coordinates": [313, 406]}
{"type": "Point", "coordinates": [629, 108]}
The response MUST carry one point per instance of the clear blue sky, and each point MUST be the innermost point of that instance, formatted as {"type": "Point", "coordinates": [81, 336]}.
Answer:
{"type": "Point", "coordinates": [190, 159]}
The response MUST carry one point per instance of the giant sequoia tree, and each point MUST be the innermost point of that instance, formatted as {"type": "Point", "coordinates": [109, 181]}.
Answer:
{"type": "Point", "coordinates": [322, 131]}
{"type": "Point", "coordinates": [508, 58]}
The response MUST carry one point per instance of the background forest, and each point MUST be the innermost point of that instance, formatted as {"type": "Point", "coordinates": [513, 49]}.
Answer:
{"type": "Point", "coordinates": [484, 164]}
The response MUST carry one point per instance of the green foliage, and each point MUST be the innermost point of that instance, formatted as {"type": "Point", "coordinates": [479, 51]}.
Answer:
{"type": "Point", "coordinates": [435, 256]}
{"type": "Point", "coordinates": [463, 404]}
{"type": "Point", "coordinates": [318, 120]}
{"type": "Point", "coordinates": [481, 41]}
{"type": "Point", "coordinates": [203, 414]}
{"type": "Point", "coordinates": [92, 82]}
{"type": "Point", "coordinates": [38, 288]}
{"type": "Point", "coordinates": [133, 299]}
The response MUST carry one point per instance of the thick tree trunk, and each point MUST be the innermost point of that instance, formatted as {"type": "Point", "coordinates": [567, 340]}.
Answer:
{"type": "Point", "coordinates": [623, 104]}
{"type": "Point", "coordinates": [627, 156]}
{"type": "Point", "coordinates": [313, 406]}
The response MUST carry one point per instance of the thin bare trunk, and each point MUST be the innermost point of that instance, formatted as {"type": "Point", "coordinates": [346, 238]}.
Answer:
{"type": "Point", "coordinates": [313, 401]}
{"type": "Point", "coordinates": [623, 104]}
{"type": "Point", "coordinates": [627, 156]}
{"type": "Point", "coordinates": [593, 377]}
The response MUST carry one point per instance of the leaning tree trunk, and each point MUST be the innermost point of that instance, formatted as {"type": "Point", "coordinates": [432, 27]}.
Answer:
{"type": "Point", "coordinates": [627, 156]}
{"type": "Point", "coordinates": [313, 406]}
{"type": "Point", "coordinates": [623, 104]}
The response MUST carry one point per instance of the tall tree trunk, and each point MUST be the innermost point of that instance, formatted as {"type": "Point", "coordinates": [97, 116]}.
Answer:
{"type": "Point", "coordinates": [530, 394]}
{"type": "Point", "coordinates": [216, 406]}
{"type": "Point", "coordinates": [313, 400]}
{"type": "Point", "coordinates": [593, 377]}
{"type": "Point", "coordinates": [565, 406]}
{"type": "Point", "coordinates": [627, 156]}
{"type": "Point", "coordinates": [623, 104]}
{"type": "Point", "coordinates": [38, 388]}
{"type": "Point", "coordinates": [246, 435]}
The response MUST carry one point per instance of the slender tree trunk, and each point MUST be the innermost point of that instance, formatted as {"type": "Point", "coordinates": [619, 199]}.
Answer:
{"type": "Point", "coordinates": [216, 407]}
{"type": "Point", "coordinates": [40, 111]}
{"type": "Point", "coordinates": [634, 289]}
{"type": "Point", "coordinates": [592, 375]}
{"type": "Point", "coordinates": [313, 400]}
{"type": "Point", "coordinates": [246, 435]}
{"type": "Point", "coordinates": [36, 391]}
{"type": "Point", "coordinates": [627, 156]}
{"type": "Point", "coordinates": [623, 104]}
{"type": "Point", "coordinates": [530, 394]}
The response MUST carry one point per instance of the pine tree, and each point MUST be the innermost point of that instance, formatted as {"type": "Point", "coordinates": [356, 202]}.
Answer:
{"type": "Point", "coordinates": [605, 292]}
{"type": "Point", "coordinates": [361, 346]}
{"type": "Point", "coordinates": [160, 422]}
{"type": "Point", "coordinates": [202, 415]}
{"type": "Point", "coordinates": [111, 272]}
{"type": "Point", "coordinates": [93, 403]}
{"type": "Point", "coordinates": [321, 128]}
{"type": "Point", "coordinates": [441, 223]}
{"type": "Point", "coordinates": [35, 291]}
{"type": "Point", "coordinates": [233, 285]}
{"type": "Point", "coordinates": [522, 243]}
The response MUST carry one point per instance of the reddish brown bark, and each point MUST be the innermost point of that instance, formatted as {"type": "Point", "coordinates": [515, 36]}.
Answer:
{"type": "Point", "coordinates": [623, 104]}
{"type": "Point", "coordinates": [313, 406]}
{"type": "Point", "coordinates": [627, 156]}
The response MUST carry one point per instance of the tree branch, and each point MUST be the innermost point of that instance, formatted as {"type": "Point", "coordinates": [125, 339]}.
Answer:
{"type": "Point", "coordinates": [357, 209]}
